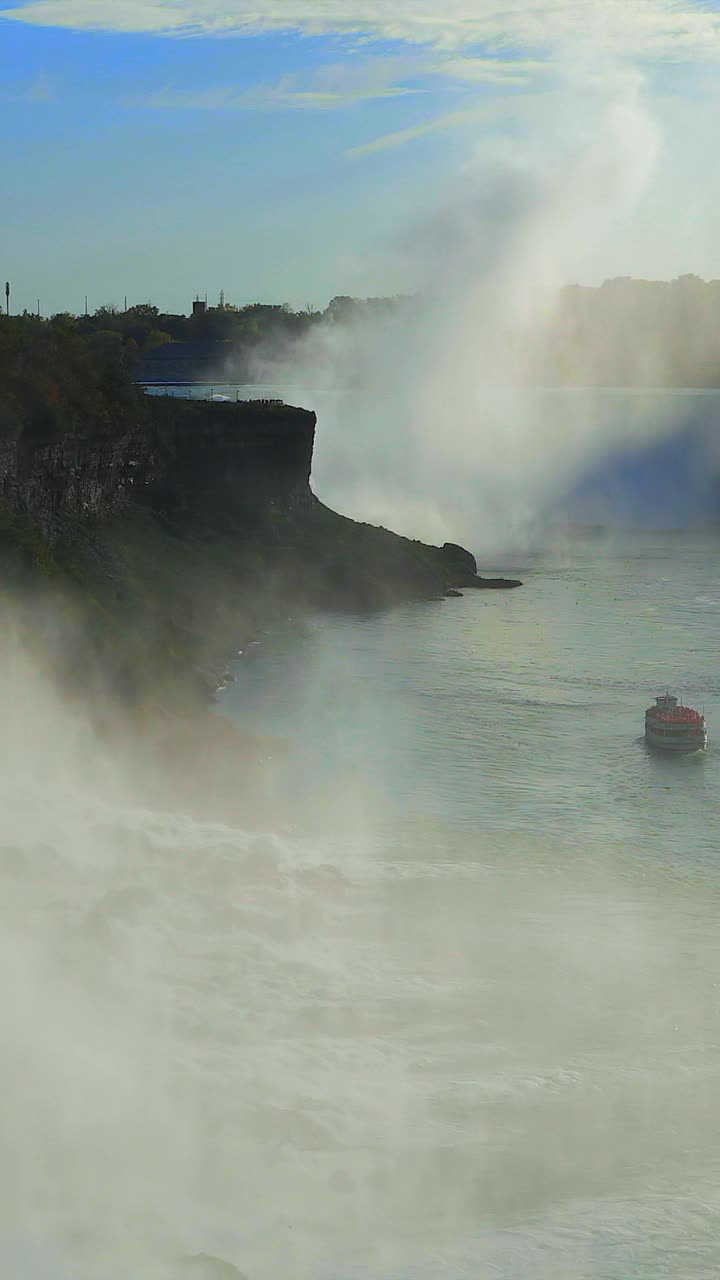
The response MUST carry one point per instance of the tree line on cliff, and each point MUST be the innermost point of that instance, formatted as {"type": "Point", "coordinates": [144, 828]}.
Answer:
{"type": "Point", "coordinates": [56, 380]}
{"type": "Point", "coordinates": [143, 327]}
{"type": "Point", "coordinates": [73, 375]}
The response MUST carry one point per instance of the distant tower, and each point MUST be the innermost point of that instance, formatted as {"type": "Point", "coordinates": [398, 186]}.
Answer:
{"type": "Point", "coordinates": [199, 308]}
{"type": "Point", "coordinates": [222, 298]}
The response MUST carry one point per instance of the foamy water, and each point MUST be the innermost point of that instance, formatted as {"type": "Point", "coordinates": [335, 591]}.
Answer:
{"type": "Point", "coordinates": [462, 1021]}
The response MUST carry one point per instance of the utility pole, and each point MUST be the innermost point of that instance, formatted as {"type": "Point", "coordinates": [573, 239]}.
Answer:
{"type": "Point", "coordinates": [7, 297]}
{"type": "Point", "coordinates": [38, 308]}
{"type": "Point", "coordinates": [126, 302]}
{"type": "Point", "coordinates": [86, 310]}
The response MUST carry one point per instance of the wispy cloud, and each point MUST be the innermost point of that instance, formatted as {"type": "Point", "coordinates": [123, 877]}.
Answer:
{"type": "Point", "coordinates": [345, 84]}
{"type": "Point", "coordinates": [333, 87]}
{"type": "Point", "coordinates": [398, 139]}
{"type": "Point", "coordinates": [509, 71]}
{"type": "Point", "coordinates": [262, 98]}
{"type": "Point", "coordinates": [675, 29]}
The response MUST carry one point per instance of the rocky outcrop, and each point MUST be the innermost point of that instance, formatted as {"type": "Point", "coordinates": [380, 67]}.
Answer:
{"type": "Point", "coordinates": [458, 561]}
{"type": "Point", "coordinates": [198, 526]}
{"type": "Point", "coordinates": [243, 468]}
{"type": "Point", "coordinates": [340, 563]}
{"type": "Point", "coordinates": [462, 570]}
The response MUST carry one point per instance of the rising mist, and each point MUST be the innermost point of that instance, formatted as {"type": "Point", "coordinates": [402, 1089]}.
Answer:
{"type": "Point", "coordinates": [452, 415]}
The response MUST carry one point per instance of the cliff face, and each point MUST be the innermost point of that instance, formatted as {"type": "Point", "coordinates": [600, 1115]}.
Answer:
{"type": "Point", "coordinates": [193, 458]}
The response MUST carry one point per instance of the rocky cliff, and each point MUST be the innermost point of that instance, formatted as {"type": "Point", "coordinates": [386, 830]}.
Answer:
{"type": "Point", "coordinates": [176, 537]}
{"type": "Point", "coordinates": [192, 456]}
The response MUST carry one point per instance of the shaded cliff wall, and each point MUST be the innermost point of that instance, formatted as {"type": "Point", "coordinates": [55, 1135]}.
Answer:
{"type": "Point", "coordinates": [191, 458]}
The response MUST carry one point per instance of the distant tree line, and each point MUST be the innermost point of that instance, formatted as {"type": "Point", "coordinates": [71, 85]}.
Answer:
{"type": "Point", "coordinates": [634, 333]}
{"type": "Point", "coordinates": [143, 326]}
{"type": "Point", "coordinates": [73, 374]}
{"type": "Point", "coordinates": [626, 332]}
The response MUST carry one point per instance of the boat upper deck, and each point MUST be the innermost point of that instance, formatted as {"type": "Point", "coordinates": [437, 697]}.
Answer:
{"type": "Point", "coordinates": [669, 711]}
{"type": "Point", "coordinates": [683, 715]}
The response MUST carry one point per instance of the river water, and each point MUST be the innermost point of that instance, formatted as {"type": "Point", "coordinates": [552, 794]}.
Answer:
{"type": "Point", "coordinates": [455, 1013]}
{"type": "Point", "coordinates": [515, 1035]}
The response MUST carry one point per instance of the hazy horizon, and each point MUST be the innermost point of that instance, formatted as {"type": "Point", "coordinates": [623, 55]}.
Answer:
{"type": "Point", "coordinates": [223, 300]}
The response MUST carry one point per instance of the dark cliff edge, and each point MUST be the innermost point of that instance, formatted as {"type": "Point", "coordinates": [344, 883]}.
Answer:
{"type": "Point", "coordinates": [143, 559]}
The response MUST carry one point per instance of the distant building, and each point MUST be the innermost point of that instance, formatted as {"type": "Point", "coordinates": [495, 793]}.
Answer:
{"type": "Point", "coordinates": [199, 307]}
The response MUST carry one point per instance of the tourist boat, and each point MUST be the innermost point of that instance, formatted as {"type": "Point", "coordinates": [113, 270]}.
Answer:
{"type": "Point", "coordinates": [670, 726]}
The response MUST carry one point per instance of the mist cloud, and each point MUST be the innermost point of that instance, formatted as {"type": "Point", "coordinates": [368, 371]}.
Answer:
{"type": "Point", "coordinates": [430, 418]}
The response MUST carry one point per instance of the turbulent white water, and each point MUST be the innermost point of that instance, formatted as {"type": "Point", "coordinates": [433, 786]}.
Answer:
{"type": "Point", "coordinates": [462, 1021]}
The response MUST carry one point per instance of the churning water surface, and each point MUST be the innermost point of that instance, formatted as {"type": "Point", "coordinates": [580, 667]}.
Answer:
{"type": "Point", "coordinates": [457, 1015]}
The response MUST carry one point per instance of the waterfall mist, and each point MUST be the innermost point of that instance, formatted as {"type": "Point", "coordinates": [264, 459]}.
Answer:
{"type": "Point", "coordinates": [437, 415]}
{"type": "Point", "coordinates": [443, 1007]}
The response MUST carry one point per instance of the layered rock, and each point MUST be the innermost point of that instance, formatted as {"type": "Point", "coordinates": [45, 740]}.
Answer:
{"type": "Point", "coordinates": [193, 457]}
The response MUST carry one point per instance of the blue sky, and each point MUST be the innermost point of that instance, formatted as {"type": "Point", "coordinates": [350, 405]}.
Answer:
{"type": "Point", "coordinates": [286, 150]}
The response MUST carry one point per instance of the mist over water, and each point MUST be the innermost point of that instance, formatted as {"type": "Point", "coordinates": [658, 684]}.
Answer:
{"type": "Point", "coordinates": [455, 1013]}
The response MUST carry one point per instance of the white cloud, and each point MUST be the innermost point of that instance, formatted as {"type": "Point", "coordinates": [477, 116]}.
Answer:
{"type": "Point", "coordinates": [675, 29]}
